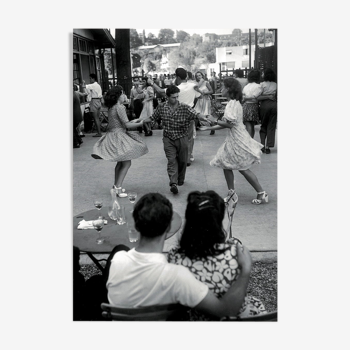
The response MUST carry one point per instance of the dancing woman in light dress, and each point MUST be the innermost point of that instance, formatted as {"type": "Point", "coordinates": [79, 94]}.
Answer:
{"type": "Point", "coordinates": [147, 109]}
{"type": "Point", "coordinates": [239, 151]}
{"type": "Point", "coordinates": [118, 144]}
{"type": "Point", "coordinates": [203, 104]}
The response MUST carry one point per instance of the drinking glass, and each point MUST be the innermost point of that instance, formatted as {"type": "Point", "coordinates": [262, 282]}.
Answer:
{"type": "Point", "coordinates": [121, 215]}
{"type": "Point", "coordinates": [132, 233]}
{"type": "Point", "coordinates": [132, 198]}
{"type": "Point", "coordinates": [98, 226]}
{"type": "Point", "coordinates": [98, 205]}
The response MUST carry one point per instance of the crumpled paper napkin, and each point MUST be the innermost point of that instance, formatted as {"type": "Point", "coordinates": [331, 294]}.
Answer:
{"type": "Point", "coordinates": [84, 225]}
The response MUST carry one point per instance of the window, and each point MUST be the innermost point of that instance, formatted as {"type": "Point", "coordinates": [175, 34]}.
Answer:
{"type": "Point", "coordinates": [75, 43]}
{"type": "Point", "coordinates": [82, 45]}
{"type": "Point", "coordinates": [245, 64]}
{"type": "Point", "coordinates": [76, 71]}
{"type": "Point", "coordinates": [245, 52]}
{"type": "Point", "coordinates": [228, 52]}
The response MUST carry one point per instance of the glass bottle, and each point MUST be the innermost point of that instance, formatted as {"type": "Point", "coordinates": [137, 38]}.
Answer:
{"type": "Point", "coordinates": [114, 206]}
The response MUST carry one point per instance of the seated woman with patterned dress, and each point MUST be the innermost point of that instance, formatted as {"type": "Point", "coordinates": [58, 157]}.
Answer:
{"type": "Point", "coordinates": [205, 251]}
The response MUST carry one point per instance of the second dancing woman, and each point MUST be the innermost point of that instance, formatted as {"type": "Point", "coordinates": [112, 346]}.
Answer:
{"type": "Point", "coordinates": [239, 151]}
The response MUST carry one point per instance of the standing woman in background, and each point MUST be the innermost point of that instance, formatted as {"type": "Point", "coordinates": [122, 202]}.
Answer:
{"type": "Point", "coordinates": [136, 98]}
{"type": "Point", "coordinates": [268, 110]}
{"type": "Point", "coordinates": [203, 104]}
{"type": "Point", "coordinates": [147, 109]}
{"type": "Point", "coordinates": [250, 103]}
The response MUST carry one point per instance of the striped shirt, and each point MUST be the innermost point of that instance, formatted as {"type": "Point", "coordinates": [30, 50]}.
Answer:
{"type": "Point", "coordinates": [175, 124]}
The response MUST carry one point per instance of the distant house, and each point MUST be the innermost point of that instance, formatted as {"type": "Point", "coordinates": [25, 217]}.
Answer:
{"type": "Point", "coordinates": [211, 37]}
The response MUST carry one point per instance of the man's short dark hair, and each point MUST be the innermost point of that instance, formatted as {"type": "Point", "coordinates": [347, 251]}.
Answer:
{"type": "Point", "coordinates": [152, 214]}
{"type": "Point", "coordinates": [172, 89]}
{"type": "Point", "coordinates": [93, 76]}
{"type": "Point", "coordinates": [181, 73]}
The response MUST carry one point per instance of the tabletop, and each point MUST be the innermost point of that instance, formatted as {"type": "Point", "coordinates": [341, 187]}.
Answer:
{"type": "Point", "coordinates": [113, 233]}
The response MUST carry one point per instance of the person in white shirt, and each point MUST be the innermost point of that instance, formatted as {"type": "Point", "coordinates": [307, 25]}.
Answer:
{"type": "Point", "coordinates": [143, 277]}
{"type": "Point", "coordinates": [188, 92]}
{"type": "Point", "coordinates": [95, 93]}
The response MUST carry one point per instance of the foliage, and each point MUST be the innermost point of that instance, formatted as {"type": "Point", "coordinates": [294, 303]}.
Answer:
{"type": "Point", "coordinates": [152, 39]}
{"type": "Point", "coordinates": [135, 40]}
{"type": "Point", "coordinates": [166, 36]}
{"type": "Point", "coordinates": [182, 36]}
{"type": "Point", "coordinates": [192, 52]}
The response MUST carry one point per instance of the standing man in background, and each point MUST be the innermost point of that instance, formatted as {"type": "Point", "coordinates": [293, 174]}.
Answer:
{"type": "Point", "coordinates": [95, 92]}
{"type": "Point", "coordinates": [213, 82]}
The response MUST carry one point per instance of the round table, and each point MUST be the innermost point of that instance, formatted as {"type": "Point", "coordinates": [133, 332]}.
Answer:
{"type": "Point", "coordinates": [113, 233]}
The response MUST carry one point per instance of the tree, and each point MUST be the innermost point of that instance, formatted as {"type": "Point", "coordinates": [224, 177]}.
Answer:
{"type": "Point", "coordinates": [152, 39]}
{"type": "Point", "coordinates": [182, 36]}
{"type": "Point", "coordinates": [135, 40]}
{"type": "Point", "coordinates": [237, 33]}
{"type": "Point", "coordinates": [166, 36]}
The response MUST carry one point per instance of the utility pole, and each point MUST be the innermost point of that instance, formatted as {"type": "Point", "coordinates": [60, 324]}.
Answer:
{"type": "Point", "coordinates": [123, 61]}
{"type": "Point", "coordinates": [250, 50]}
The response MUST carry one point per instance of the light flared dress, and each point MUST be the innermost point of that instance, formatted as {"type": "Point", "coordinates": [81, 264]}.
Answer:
{"type": "Point", "coordinates": [147, 109]}
{"type": "Point", "coordinates": [239, 151]}
{"type": "Point", "coordinates": [203, 105]}
{"type": "Point", "coordinates": [119, 144]}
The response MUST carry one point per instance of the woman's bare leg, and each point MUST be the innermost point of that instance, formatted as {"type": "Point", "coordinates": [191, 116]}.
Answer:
{"type": "Point", "coordinates": [253, 180]}
{"type": "Point", "coordinates": [229, 179]}
{"type": "Point", "coordinates": [121, 172]}
{"type": "Point", "coordinates": [250, 128]}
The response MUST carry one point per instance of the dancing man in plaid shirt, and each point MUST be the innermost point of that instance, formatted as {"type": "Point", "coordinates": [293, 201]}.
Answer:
{"type": "Point", "coordinates": [176, 118]}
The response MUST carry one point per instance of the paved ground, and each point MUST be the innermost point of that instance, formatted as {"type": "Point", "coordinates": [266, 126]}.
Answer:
{"type": "Point", "coordinates": [254, 225]}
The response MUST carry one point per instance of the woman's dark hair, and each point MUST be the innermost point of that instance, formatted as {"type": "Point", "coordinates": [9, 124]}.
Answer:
{"type": "Point", "coordinates": [254, 76]}
{"type": "Point", "coordinates": [203, 227]}
{"type": "Point", "coordinates": [200, 74]}
{"type": "Point", "coordinates": [145, 80]}
{"type": "Point", "coordinates": [269, 75]}
{"type": "Point", "coordinates": [112, 96]}
{"type": "Point", "coordinates": [152, 214]}
{"type": "Point", "coordinates": [189, 75]}
{"type": "Point", "coordinates": [234, 88]}
{"type": "Point", "coordinates": [172, 89]}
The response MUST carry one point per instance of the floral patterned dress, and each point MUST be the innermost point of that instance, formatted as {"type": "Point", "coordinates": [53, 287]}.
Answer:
{"type": "Point", "coordinates": [239, 151]}
{"type": "Point", "coordinates": [218, 272]}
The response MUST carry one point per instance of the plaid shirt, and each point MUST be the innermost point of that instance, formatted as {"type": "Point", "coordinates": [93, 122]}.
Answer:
{"type": "Point", "coordinates": [175, 125]}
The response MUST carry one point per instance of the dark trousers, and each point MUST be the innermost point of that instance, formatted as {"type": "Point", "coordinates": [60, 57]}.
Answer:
{"type": "Point", "coordinates": [176, 153]}
{"type": "Point", "coordinates": [268, 115]}
{"type": "Point", "coordinates": [76, 137]}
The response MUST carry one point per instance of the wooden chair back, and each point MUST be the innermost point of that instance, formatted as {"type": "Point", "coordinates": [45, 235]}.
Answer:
{"type": "Point", "coordinates": [170, 312]}
{"type": "Point", "coordinates": [269, 317]}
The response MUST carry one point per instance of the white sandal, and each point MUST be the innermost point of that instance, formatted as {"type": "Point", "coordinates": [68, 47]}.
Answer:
{"type": "Point", "coordinates": [120, 192]}
{"type": "Point", "coordinates": [264, 197]}
{"type": "Point", "coordinates": [231, 194]}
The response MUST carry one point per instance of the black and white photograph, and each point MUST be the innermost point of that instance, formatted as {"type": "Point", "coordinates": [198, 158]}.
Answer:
{"type": "Point", "coordinates": [175, 144]}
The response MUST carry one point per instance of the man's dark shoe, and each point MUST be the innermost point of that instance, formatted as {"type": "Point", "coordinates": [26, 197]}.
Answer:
{"type": "Point", "coordinates": [180, 183]}
{"type": "Point", "coordinates": [188, 164]}
{"type": "Point", "coordinates": [174, 189]}
{"type": "Point", "coordinates": [268, 151]}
